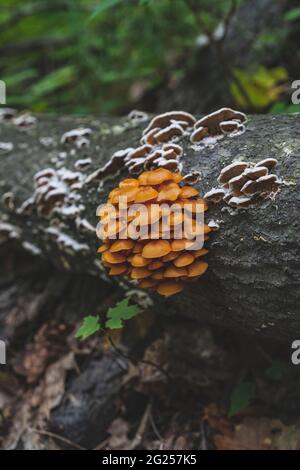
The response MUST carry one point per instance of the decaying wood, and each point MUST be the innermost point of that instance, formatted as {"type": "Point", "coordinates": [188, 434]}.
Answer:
{"type": "Point", "coordinates": [253, 277]}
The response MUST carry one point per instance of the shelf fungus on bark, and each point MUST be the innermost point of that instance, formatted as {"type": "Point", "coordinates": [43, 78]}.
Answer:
{"type": "Point", "coordinates": [136, 117]}
{"type": "Point", "coordinates": [82, 164]}
{"type": "Point", "coordinates": [79, 137]}
{"type": "Point", "coordinates": [56, 190]}
{"type": "Point", "coordinates": [215, 195]}
{"type": "Point", "coordinates": [6, 147]}
{"type": "Point", "coordinates": [24, 120]}
{"type": "Point", "coordinates": [153, 230]}
{"type": "Point", "coordinates": [159, 147]}
{"type": "Point", "coordinates": [244, 184]}
{"type": "Point", "coordinates": [6, 114]}
{"type": "Point", "coordinates": [166, 119]}
{"type": "Point", "coordinates": [8, 200]}
{"type": "Point", "coordinates": [160, 143]}
{"type": "Point", "coordinates": [225, 121]}
{"type": "Point", "coordinates": [192, 178]}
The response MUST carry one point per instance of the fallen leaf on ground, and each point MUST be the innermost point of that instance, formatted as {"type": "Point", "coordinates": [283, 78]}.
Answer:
{"type": "Point", "coordinates": [251, 432]}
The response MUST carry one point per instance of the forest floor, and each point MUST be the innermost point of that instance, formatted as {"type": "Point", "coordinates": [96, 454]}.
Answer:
{"type": "Point", "coordinates": [222, 391]}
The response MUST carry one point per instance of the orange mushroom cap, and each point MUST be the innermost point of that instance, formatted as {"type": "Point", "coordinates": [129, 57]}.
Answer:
{"type": "Point", "coordinates": [172, 271]}
{"type": "Point", "coordinates": [197, 268]}
{"type": "Point", "coordinates": [120, 245]}
{"type": "Point", "coordinates": [138, 248]}
{"type": "Point", "coordinates": [168, 288]}
{"type": "Point", "coordinates": [102, 248]}
{"type": "Point", "coordinates": [158, 275]}
{"type": "Point", "coordinates": [113, 258]}
{"type": "Point", "coordinates": [188, 191]}
{"type": "Point", "coordinates": [193, 229]}
{"type": "Point", "coordinates": [156, 249]}
{"type": "Point", "coordinates": [105, 210]}
{"type": "Point", "coordinates": [195, 206]}
{"type": "Point", "coordinates": [180, 245]}
{"type": "Point", "coordinates": [139, 262]}
{"type": "Point", "coordinates": [143, 178]}
{"type": "Point", "coordinates": [184, 260]}
{"type": "Point", "coordinates": [129, 183]}
{"type": "Point", "coordinates": [175, 218]}
{"type": "Point", "coordinates": [171, 256]}
{"type": "Point", "coordinates": [114, 195]}
{"type": "Point", "coordinates": [112, 230]}
{"type": "Point", "coordinates": [140, 273]}
{"type": "Point", "coordinates": [144, 194]}
{"type": "Point", "coordinates": [118, 269]}
{"type": "Point", "coordinates": [155, 265]}
{"type": "Point", "coordinates": [149, 215]}
{"type": "Point", "coordinates": [201, 252]}
{"type": "Point", "coordinates": [147, 283]}
{"type": "Point", "coordinates": [130, 193]}
{"type": "Point", "coordinates": [168, 191]}
{"type": "Point", "coordinates": [158, 176]}
{"type": "Point", "coordinates": [177, 177]}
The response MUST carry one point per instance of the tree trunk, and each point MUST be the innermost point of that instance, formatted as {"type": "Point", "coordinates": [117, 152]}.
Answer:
{"type": "Point", "coordinates": [253, 277]}
{"type": "Point", "coordinates": [210, 72]}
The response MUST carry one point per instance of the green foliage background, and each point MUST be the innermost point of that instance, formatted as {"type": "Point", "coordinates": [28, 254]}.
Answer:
{"type": "Point", "coordinates": [101, 56]}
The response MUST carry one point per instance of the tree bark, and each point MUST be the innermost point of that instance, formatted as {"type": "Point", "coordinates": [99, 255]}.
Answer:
{"type": "Point", "coordinates": [253, 277]}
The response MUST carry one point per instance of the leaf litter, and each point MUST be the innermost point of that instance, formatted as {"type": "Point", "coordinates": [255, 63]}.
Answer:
{"type": "Point", "coordinates": [183, 388]}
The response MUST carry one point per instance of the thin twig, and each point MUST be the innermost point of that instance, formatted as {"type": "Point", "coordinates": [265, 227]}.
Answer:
{"type": "Point", "coordinates": [203, 436]}
{"type": "Point", "coordinates": [137, 361]}
{"type": "Point", "coordinates": [141, 429]}
{"type": "Point", "coordinates": [228, 18]}
{"type": "Point", "coordinates": [102, 444]}
{"type": "Point", "coordinates": [58, 437]}
{"type": "Point", "coordinates": [156, 431]}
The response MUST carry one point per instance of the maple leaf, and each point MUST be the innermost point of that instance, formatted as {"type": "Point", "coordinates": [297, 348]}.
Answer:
{"type": "Point", "coordinates": [90, 325]}
{"type": "Point", "coordinates": [122, 311]}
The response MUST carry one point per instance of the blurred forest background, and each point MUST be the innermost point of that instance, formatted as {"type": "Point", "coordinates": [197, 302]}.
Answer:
{"type": "Point", "coordinates": [110, 56]}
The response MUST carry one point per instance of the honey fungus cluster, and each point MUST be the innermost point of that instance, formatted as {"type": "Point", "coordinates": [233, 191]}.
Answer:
{"type": "Point", "coordinates": [145, 246]}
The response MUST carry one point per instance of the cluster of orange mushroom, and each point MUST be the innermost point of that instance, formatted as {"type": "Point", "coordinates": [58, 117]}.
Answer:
{"type": "Point", "coordinates": [160, 261]}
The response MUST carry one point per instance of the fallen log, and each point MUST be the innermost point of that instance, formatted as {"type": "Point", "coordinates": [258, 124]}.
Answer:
{"type": "Point", "coordinates": [253, 277]}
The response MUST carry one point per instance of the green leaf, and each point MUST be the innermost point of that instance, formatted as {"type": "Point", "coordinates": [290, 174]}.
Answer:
{"type": "Point", "coordinates": [89, 326]}
{"type": "Point", "coordinates": [279, 108]}
{"type": "Point", "coordinates": [53, 81]}
{"type": "Point", "coordinates": [122, 311]}
{"type": "Point", "coordinates": [18, 78]}
{"type": "Point", "coordinates": [104, 5]}
{"type": "Point", "coordinates": [241, 397]}
{"type": "Point", "coordinates": [293, 108]}
{"type": "Point", "coordinates": [263, 86]}
{"type": "Point", "coordinates": [285, 108]}
{"type": "Point", "coordinates": [293, 14]}
{"type": "Point", "coordinates": [276, 371]}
